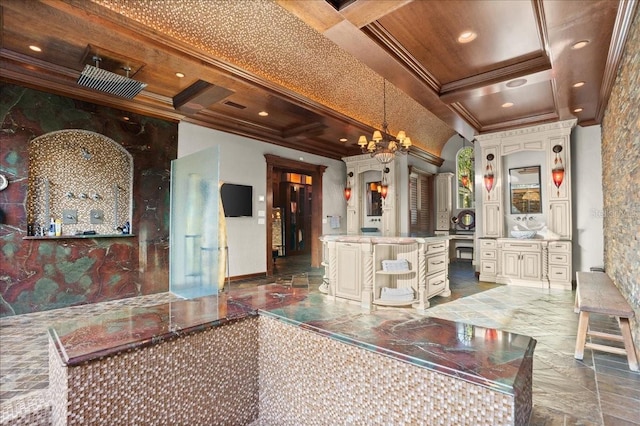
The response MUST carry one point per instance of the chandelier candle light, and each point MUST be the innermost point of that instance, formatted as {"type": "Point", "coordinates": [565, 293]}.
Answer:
{"type": "Point", "coordinates": [383, 146]}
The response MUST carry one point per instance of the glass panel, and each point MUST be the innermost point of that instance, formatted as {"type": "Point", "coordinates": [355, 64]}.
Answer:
{"type": "Point", "coordinates": [197, 264]}
{"type": "Point", "coordinates": [524, 183]}
{"type": "Point", "coordinates": [465, 178]}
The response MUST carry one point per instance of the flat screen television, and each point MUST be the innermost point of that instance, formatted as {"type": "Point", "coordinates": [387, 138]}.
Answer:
{"type": "Point", "coordinates": [237, 200]}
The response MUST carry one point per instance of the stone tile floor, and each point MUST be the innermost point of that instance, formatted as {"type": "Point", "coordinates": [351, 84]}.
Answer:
{"type": "Point", "coordinates": [600, 390]}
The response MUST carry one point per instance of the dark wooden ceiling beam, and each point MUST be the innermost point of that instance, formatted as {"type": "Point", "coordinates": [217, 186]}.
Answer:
{"type": "Point", "coordinates": [198, 96]}
{"type": "Point", "coordinates": [363, 12]}
{"type": "Point", "coordinates": [306, 129]}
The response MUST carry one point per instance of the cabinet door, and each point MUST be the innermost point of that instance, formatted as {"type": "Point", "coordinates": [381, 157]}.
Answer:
{"type": "Point", "coordinates": [492, 220]}
{"type": "Point", "coordinates": [530, 266]}
{"type": "Point", "coordinates": [559, 218]}
{"type": "Point", "coordinates": [511, 264]}
{"type": "Point", "coordinates": [443, 192]}
{"type": "Point", "coordinates": [348, 271]}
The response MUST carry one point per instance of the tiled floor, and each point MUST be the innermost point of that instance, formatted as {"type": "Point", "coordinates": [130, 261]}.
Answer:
{"type": "Point", "coordinates": [600, 390]}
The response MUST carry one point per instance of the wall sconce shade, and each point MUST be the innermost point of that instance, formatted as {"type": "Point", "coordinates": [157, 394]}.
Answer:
{"type": "Point", "coordinates": [464, 180]}
{"type": "Point", "coordinates": [557, 173]}
{"type": "Point", "coordinates": [384, 186]}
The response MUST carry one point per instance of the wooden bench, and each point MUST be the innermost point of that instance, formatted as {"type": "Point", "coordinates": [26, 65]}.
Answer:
{"type": "Point", "coordinates": [596, 293]}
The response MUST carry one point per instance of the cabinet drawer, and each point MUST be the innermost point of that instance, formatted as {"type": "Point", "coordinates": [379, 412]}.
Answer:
{"type": "Point", "coordinates": [488, 266]}
{"type": "Point", "coordinates": [436, 263]}
{"type": "Point", "coordinates": [558, 273]}
{"type": "Point", "coordinates": [434, 248]}
{"type": "Point", "coordinates": [559, 258]}
{"type": "Point", "coordinates": [488, 254]}
{"type": "Point", "coordinates": [556, 246]}
{"type": "Point", "coordinates": [488, 243]}
{"type": "Point", "coordinates": [517, 246]}
{"type": "Point", "coordinates": [436, 283]}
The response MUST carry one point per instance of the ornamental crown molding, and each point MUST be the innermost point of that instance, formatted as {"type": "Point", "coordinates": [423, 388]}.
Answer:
{"type": "Point", "coordinates": [564, 127]}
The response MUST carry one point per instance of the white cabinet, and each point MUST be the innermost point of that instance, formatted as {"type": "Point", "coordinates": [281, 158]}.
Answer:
{"type": "Point", "coordinates": [437, 278]}
{"type": "Point", "coordinates": [559, 272]}
{"type": "Point", "coordinates": [348, 280]}
{"type": "Point", "coordinates": [559, 218]}
{"type": "Point", "coordinates": [488, 259]}
{"type": "Point", "coordinates": [521, 262]}
{"type": "Point", "coordinates": [491, 220]}
{"type": "Point", "coordinates": [443, 182]}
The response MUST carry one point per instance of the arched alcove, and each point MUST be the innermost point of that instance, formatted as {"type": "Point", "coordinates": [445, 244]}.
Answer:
{"type": "Point", "coordinates": [82, 178]}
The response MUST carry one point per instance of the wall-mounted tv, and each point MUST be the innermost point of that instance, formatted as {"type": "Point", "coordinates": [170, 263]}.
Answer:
{"type": "Point", "coordinates": [237, 200]}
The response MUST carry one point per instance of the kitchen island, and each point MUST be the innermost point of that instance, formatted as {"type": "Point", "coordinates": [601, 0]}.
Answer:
{"type": "Point", "coordinates": [386, 271]}
{"type": "Point", "coordinates": [281, 355]}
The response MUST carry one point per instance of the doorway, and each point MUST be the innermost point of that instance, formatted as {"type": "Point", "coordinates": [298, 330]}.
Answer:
{"type": "Point", "coordinates": [307, 197]}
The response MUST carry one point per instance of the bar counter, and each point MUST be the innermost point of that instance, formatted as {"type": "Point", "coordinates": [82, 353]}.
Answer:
{"type": "Point", "coordinates": [261, 351]}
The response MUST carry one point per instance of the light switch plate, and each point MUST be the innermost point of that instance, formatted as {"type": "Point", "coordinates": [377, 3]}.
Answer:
{"type": "Point", "coordinates": [97, 217]}
{"type": "Point", "coordinates": [69, 217]}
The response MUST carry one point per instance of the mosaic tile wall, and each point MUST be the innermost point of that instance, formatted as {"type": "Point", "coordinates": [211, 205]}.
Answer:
{"type": "Point", "coordinates": [80, 171]}
{"type": "Point", "coordinates": [333, 383]}
{"type": "Point", "coordinates": [207, 378]}
{"type": "Point", "coordinates": [621, 178]}
{"type": "Point", "coordinates": [38, 275]}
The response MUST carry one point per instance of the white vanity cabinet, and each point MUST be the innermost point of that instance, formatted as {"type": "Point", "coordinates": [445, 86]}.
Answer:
{"type": "Point", "coordinates": [521, 262]}
{"type": "Point", "coordinates": [354, 269]}
{"type": "Point", "coordinates": [534, 150]}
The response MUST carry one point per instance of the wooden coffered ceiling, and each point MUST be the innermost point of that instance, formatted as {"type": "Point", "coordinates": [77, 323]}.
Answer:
{"type": "Point", "coordinates": [317, 66]}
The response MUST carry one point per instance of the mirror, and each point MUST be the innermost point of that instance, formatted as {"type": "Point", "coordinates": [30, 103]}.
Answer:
{"type": "Point", "coordinates": [466, 219]}
{"type": "Point", "coordinates": [374, 199]}
{"type": "Point", "coordinates": [524, 185]}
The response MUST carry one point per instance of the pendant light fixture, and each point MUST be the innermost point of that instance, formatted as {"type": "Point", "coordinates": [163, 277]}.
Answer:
{"type": "Point", "coordinates": [383, 146]}
{"type": "Point", "coordinates": [384, 186]}
{"type": "Point", "coordinates": [347, 187]}
{"type": "Point", "coordinates": [557, 173]}
{"type": "Point", "coordinates": [488, 174]}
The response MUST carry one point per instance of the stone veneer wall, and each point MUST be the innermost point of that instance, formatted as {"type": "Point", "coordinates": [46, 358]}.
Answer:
{"type": "Point", "coordinates": [204, 378]}
{"type": "Point", "coordinates": [621, 177]}
{"type": "Point", "coordinates": [39, 275]}
{"type": "Point", "coordinates": [331, 383]}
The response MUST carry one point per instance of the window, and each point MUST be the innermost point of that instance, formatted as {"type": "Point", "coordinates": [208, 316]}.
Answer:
{"type": "Point", "coordinates": [465, 178]}
{"type": "Point", "coordinates": [420, 194]}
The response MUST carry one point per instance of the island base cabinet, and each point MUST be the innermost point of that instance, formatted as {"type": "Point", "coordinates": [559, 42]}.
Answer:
{"type": "Point", "coordinates": [348, 261]}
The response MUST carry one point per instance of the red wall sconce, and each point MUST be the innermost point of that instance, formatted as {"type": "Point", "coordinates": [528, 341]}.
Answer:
{"type": "Point", "coordinates": [557, 173]}
{"type": "Point", "coordinates": [347, 187]}
{"type": "Point", "coordinates": [384, 187]}
{"type": "Point", "coordinates": [464, 180]}
{"type": "Point", "coordinates": [489, 177]}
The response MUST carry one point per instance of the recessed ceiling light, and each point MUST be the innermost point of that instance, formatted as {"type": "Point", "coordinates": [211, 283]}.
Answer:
{"type": "Point", "coordinates": [343, 139]}
{"type": "Point", "coordinates": [263, 113]}
{"type": "Point", "coordinates": [467, 36]}
{"type": "Point", "coordinates": [578, 84]}
{"type": "Point", "coordinates": [507, 105]}
{"type": "Point", "coordinates": [517, 83]}
{"type": "Point", "coordinates": [126, 118]}
{"type": "Point", "coordinates": [35, 48]}
{"type": "Point", "coordinates": [580, 44]}
{"type": "Point", "coordinates": [179, 75]}
{"type": "Point", "coordinates": [577, 110]}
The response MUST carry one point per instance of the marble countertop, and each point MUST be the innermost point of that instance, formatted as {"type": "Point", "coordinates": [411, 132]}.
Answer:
{"type": "Point", "coordinates": [377, 239]}
{"type": "Point", "coordinates": [488, 357]}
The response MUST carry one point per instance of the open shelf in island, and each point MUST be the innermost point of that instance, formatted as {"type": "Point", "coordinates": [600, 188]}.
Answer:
{"type": "Point", "coordinates": [382, 302]}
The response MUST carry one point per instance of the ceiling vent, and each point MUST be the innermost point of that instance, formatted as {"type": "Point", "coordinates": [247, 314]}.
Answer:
{"type": "Point", "coordinates": [96, 78]}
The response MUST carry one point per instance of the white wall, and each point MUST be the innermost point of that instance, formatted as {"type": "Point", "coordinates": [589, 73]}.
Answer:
{"type": "Point", "coordinates": [242, 162]}
{"type": "Point", "coordinates": [588, 210]}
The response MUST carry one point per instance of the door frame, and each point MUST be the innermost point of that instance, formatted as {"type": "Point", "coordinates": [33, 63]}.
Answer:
{"type": "Point", "coordinates": [315, 171]}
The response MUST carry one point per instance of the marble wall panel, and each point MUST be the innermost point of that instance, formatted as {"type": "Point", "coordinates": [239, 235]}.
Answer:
{"type": "Point", "coordinates": [38, 275]}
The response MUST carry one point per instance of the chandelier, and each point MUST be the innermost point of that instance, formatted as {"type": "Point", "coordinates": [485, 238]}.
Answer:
{"type": "Point", "coordinates": [383, 146]}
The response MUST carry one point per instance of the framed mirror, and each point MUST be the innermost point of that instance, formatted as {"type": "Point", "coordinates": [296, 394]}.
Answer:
{"type": "Point", "coordinates": [466, 220]}
{"type": "Point", "coordinates": [524, 188]}
{"type": "Point", "coordinates": [374, 199]}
